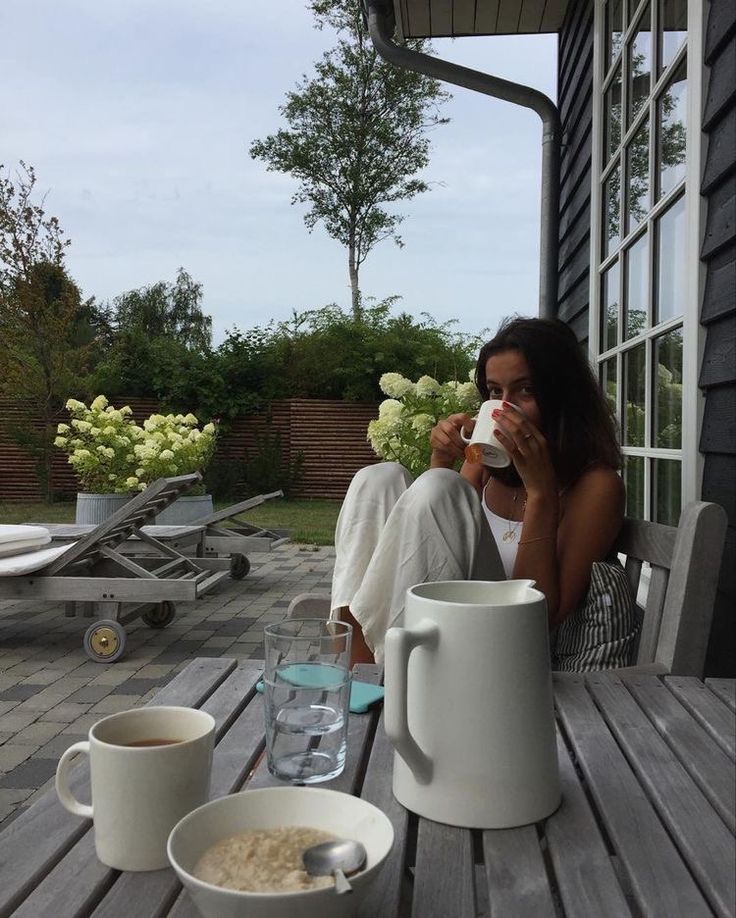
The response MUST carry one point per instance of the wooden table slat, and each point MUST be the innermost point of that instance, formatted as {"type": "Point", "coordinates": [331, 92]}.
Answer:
{"type": "Point", "coordinates": [699, 833]}
{"type": "Point", "coordinates": [384, 898]}
{"type": "Point", "coordinates": [516, 875]}
{"type": "Point", "coordinates": [700, 755]}
{"type": "Point", "coordinates": [725, 689]}
{"type": "Point", "coordinates": [444, 874]}
{"type": "Point", "coordinates": [45, 833]}
{"type": "Point", "coordinates": [660, 881]}
{"type": "Point", "coordinates": [150, 893]}
{"type": "Point", "coordinates": [707, 709]}
{"type": "Point", "coordinates": [585, 877]}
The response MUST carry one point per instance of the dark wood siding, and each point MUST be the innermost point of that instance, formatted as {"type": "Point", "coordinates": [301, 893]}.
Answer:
{"type": "Point", "coordinates": [575, 95]}
{"type": "Point", "coordinates": [718, 315]}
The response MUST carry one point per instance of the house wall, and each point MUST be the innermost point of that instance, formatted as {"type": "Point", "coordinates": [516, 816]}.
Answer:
{"type": "Point", "coordinates": [575, 98]}
{"type": "Point", "coordinates": [718, 314]}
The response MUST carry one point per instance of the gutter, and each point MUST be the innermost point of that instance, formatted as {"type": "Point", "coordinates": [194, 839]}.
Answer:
{"type": "Point", "coordinates": [381, 27]}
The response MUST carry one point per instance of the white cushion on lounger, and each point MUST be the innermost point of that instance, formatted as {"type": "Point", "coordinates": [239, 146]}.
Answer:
{"type": "Point", "coordinates": [31, 561]}
{"type": "Point", "coordinates": [17, 540]}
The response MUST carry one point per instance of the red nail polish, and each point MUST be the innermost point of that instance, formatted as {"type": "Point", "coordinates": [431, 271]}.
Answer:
{"type": "Point", "coordinates": [506, 404]}
{"type": "Point", "coordinates": [495, 413]}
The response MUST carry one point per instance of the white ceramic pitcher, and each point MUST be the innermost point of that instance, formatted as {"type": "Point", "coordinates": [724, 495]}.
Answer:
{"type": "Point", "coordinates": [468, 704]}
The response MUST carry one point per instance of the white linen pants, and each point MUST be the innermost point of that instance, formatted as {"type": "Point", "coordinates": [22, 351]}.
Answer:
{"type": "Point", "coordinates": [392, 534]}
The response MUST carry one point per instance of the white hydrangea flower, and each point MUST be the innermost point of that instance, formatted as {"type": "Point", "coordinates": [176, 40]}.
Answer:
{"type": "Point", "coordinates": [101, 450]}
{"type": "Point", "coordinates": [427, 385]}
{"type": "Point", "coordinates": [60, 442]}
{"type": "Point", "coordinates": [73, 405]}
{"type": "Point", "coordinates": [112, 476]}
{"type": "Point", "coordinates": [82, 426]}
{"type": "Point", "coordinates": [63, 428]}
{"type": "Point", "coordinates": [389, 409]}
{"type": "Point", "coordinates": [95, 431]}
{"type": "Point", "coordinates": [99, 403]}
{"type": "Point", "coordinates": [140, 472]}
{"type": "Point", "coordinates": [166, 454]}
{"type": "Point", "coordinates": [422, 423]}
{"type": "Point", "coordinates": [467, 393]}
{"type": "Point", "coordinates": [132, 482]}
{"type": "Point", "coordinates": [208, 428]}
{"type": "Point", "coordinates": [126, 410]}
{"type": "Point", "coordinates": [194, 435]}
{"type": "Point", "coordinates": [109, 452]}
{"type": "Point", "coordinates": [82, 454]}
{"type": "Point", "coordinates": [395, 385]}
{"type": "Point", "coordinates": [190, 419]}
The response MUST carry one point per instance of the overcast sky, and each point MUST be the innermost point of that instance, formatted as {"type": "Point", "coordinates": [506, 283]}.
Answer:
{"type": "Point", "coordinates": [138, 114]}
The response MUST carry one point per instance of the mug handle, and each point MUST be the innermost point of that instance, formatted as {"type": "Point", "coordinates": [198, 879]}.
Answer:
{"type": "Point", "coordinates": [462, 434]}
{"type": "Point", "coordinates": [68, 800]}
{"type": "Point", "coordinates": [399, 643]}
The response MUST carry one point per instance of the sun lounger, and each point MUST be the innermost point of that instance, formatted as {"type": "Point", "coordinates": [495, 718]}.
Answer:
{"type": "Point", "coordinates": [217, 546]}
{"type": "Point", "coordinates": [93, 571]}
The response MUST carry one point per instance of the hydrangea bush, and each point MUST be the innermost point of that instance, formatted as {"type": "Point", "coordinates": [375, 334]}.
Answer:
{"type": "Point", "coordinates": [405, 419]}
{"type": "Point", "coordinates": [111, 454]}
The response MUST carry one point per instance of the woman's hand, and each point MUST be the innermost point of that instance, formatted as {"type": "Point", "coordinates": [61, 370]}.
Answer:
{"type": "Point", "coordinates": [527, 447]}
{"type": "Point", "coordinates": [447, 444]}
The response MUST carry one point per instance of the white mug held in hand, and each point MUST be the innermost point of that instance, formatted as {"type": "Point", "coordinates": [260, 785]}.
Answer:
{"type": "Point", "coordinates": [149, 767]}
{"type": "Point", "coordinates": [483, 445]}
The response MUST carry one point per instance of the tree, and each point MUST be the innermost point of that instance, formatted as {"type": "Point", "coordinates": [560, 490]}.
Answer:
{"type": "Point", "coordinates": [160, 340]}
{"type": "Point", "coordinates": [46, 332]}
{"type": "Point", "coordinates": [356, 138]}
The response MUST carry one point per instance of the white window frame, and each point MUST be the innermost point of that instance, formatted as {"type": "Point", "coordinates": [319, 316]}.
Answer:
{"type": "Point", "coordinates": [693, 333]}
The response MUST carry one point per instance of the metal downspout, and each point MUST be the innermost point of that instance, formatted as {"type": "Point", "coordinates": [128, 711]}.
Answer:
{"type": "Point", "coordinates": [379, 16]}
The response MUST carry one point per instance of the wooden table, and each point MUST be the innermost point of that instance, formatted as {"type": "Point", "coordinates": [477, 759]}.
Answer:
{"type": "Point", "coordinates": [646, 825]}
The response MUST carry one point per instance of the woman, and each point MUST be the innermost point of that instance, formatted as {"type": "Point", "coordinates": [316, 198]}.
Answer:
{"type": "Point", "coordinates": [554, 513]}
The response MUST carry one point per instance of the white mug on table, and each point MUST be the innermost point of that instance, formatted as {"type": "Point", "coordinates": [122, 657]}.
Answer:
{"type": "Point", "coordinates": [149, 767]}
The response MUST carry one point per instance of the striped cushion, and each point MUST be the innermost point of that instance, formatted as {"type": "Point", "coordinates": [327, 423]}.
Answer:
{"type": "Point", "coordinates": [603, 632]}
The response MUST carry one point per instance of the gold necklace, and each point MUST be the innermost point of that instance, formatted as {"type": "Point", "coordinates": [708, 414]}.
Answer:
{"type": "Point", "coordinates": [511, 532]}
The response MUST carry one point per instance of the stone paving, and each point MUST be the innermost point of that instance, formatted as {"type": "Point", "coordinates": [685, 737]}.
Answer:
{"type": "Point", "coordinates": [51, 692]}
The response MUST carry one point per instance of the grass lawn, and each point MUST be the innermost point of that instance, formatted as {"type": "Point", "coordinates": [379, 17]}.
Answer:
{"type": "Point", "coordinates": [311, 521]}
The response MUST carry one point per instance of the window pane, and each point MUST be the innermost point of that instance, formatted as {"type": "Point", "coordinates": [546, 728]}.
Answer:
{"type": "Point", "coordinates": [609, 310]}
{"type": "Point", "coordinates": [637, 286]}
{"type": "Point", "coordinates": [634, 380]}
{"type": "Point", "coordinates": [639, 65]}
{"type": "Point", "coordinates": [672, 131]}
{"type": "Point", "coordinates": [667, 390]}
{"type": "Point", "coordinates": [637, 177]}
{"type": "Point", "coordinates": [634, 481]}
{"type": "Point", "coordinates": [611, 211]}
{"type": "Point", "coordinates": [612, 116]}
{"type": "Point", "coordinates": [667, 493]}
{"type": "Point", "coordinates": [672, 30]}
{"type": "Point", "coordinates": [671, 294]}
{"type": "Point", "coordinates": [614, 30]}
{"type": "Point", "coordinates": [609, 383]}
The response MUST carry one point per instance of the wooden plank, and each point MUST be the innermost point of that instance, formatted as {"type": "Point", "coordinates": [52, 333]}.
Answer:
{"type": "Point", "coordinates": [706, 763]}
{"type": "Point", "coordinates": [95, 589]}
{"type": "Point", "coordinates": [586, 880]}
{"type": "Point", "coordinates": [710, 712]}
{"type": "Point", "coordinates": [486, 16]}
{"type": "Point", "coordinates": [444, 872]}
{"type": "Point", "coordinates": [717, 363]}
{"type": "Point", "coordinates": [515, 874]}
{"type": "Point", "coordinates": [720, 157]}
{"type": "Point", "coordinates": [240, 732]}
{"type": "Point", "coordinates": [721, 86]}
{"type": "Point", "coordinates": [660, 882]}
{"type": "Point", "coordinates": [41, 836]}
{"type": "Point", "coordinates": [383, 900]}
{"type": "Point", "coordinates": [708, 847]}
{"type": "Point", "coordinates": [720, 227]}
{"type": "Point", "coordinates": [440, 12]}
{"type": "Point", "coordinates": [463, 17]}
{"type": "Point", "coordinates": [725, 689]}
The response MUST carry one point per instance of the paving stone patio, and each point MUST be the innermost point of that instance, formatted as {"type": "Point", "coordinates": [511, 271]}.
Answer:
{"type": "Point", "coordinates": [51, 692]}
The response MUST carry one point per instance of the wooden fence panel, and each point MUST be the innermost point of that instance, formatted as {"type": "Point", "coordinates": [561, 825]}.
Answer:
{"type": "Point", "coordinates": [330, 435]}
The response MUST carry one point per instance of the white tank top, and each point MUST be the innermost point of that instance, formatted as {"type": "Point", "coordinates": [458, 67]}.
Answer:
{"type": "Point", "coordinates": [499, 525]}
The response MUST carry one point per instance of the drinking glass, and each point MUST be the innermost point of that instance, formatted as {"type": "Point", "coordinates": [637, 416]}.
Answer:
{"type": "Point", "coordinates": [306, 698]}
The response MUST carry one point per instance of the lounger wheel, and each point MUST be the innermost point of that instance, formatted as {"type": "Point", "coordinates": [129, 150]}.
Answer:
{"type": "Point", "coordinates": [104, 641]}
{"type": "Point", "coordinates": [160, 615]}
{"type": "Point", "coordinates": [239, 566]}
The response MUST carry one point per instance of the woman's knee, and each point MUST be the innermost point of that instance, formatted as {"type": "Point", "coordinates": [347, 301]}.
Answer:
{"type": "Point", "coordinates": [383, 475]}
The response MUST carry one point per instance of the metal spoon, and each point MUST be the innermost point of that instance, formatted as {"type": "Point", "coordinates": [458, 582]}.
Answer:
{"type": "Point", "coordinates": [335, 858]}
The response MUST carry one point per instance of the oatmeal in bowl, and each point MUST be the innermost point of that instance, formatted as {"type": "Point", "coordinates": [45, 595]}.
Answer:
{"type": "Point", "coordinates": [240, 856]}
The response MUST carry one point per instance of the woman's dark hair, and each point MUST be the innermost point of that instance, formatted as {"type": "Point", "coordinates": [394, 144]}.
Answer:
{"type": "Point", "coordinates": [576, 418]}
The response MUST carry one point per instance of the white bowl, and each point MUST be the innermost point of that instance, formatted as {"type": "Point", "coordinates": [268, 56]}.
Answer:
{"type": "Point", "coordinates": [341, 814]}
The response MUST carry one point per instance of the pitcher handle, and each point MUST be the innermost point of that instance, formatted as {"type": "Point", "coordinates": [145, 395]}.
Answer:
{"type": "Point", "coordinates": [399, 644]}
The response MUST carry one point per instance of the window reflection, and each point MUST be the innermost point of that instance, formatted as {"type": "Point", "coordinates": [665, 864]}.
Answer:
{"type": "Point", "coordinates": [609, 383]}
{"type": "Point", "coordinates": [612, 114]}
{"type": "Point", "coordinates": [609, 311]}
{"type": "Point", "coordinates": [637, 177]}
{"type": "Point", "coordinates": [672, 30]}
{"type": "Point", "coordinates": [612, 211]}
{"type": "Point", "coordinates": [614, 30]}
{"type": "Point", "coordinates": [667, 491]}
{"type": "Point", "coordinates": [672, 131]}
{"type": "Point", "coordinates": [634, 385]}
{"type": "Point", "coordinates": [637, 286]}
{"type": "Point", "coordinates": [639, 66]}
{"type": "Point", "coordinates": [671, 263]}
{"type": "Point", "coordinates": [634, 481]}
{"type": "Point", "coordinates": [667, 390]}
